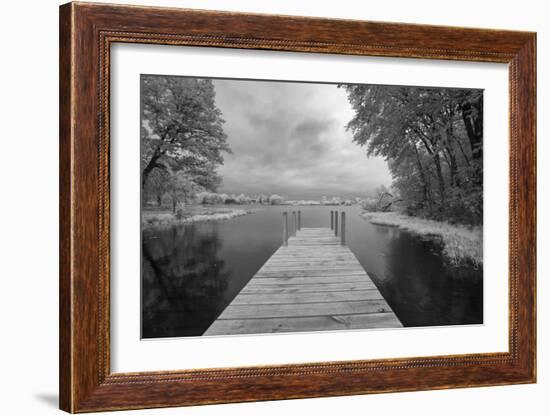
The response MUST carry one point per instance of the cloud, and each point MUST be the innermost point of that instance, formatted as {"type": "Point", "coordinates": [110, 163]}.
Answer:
{"type": "Point", "coordinates": [290, 138]}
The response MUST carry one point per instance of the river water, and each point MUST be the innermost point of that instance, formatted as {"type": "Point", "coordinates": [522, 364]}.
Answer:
{"type": "Point", "coordinates": [190, 273]}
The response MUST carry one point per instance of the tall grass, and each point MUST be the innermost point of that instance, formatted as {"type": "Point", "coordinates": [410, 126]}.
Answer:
{"type": "Point", "coordinates": [156, 219]}
{"type": "Point", "coordinates": [460, 243]}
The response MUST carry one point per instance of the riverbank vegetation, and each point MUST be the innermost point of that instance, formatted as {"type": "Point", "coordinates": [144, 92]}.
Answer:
{"type": "Point", "coordinates": [160, 218]}
{"type": "Point", "coordinates": [461, 243]}
{"type": "Point", "coordinates": [212, 198]}
{"type": "Point", "coordinates": [432, 141]}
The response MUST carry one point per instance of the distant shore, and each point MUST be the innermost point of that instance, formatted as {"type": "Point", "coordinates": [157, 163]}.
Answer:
{"type": "Point", "coordinates": [460, 243]}
{"type": "Point", "coordinates": [159, 219]}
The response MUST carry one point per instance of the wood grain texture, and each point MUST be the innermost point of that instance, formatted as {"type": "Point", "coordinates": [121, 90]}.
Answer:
{"type": "Point", "coordinates": [304, 298]}
{"type": "Point", "coordinates": [66, 399]}
{"type": "Point", "coordinates": [86, 33]}
{"type": "Point", "coordinates": [306, 323]}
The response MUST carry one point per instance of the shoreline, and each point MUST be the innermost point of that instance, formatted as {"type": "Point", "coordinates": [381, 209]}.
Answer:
{"type": "Point", "coordinates": [460, 243]}
{"type": "Point", "coordinates": [155, 220]}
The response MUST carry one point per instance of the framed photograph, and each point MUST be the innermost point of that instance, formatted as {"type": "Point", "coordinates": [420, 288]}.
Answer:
{"type": "Point", "coordinates": [258, 207]}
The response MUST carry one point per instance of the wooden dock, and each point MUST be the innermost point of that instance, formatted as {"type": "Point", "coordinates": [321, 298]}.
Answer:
{"type": "Point", "coordinates": [313, 282]}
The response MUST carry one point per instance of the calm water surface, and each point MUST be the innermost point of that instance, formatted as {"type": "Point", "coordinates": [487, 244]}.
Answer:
{"type": "Point", "coordinates": [191, 273]}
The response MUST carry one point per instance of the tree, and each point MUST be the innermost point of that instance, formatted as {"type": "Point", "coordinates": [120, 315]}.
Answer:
{"type": "Point", "coordinates": [432, 140]}
{"type": "Point", "coordinates": [276, 199]}
{"type": "Point", "coordinates": [181, 128]}
{"type": "Point", "coordinates": [261, 199]}
{"type": "Point", "coordinates": [180, 187]}
{"type": "Point", "coordinates": [156, 186]}
{"type": "Point", "coordinates": [242, 199]}
{"type": "Point", "coordinates": [471, 109]}
{"type": "Point", "coordinates": [384, 198]}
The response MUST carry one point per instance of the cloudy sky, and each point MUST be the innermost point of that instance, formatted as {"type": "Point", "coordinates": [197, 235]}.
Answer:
{"type": "Point", "coordinates": [290, 139]}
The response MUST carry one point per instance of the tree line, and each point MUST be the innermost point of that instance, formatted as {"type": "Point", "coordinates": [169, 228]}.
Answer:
{"type": "Point", "coordinates": [209, 198]}
{"type": "Point", "coordinates": [182, 138]}
{"type": "Point", "coordinates": [432, 139]}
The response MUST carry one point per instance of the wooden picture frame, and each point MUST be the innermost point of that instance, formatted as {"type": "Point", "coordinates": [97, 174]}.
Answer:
{"type": "Point", "coordinates": [86, 33]}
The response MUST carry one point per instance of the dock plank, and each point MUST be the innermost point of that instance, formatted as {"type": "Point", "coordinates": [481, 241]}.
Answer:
{"type": "Point", "coordinates": [309, 288]}
{"type": "Point", "coordinates": [303, 298]}
{"type": "Point", "coordinates": [301, 279]}
{"type": "Point", "coordinates": [305, 324]}
{"type": "Point", "coordinates": [235, 312]}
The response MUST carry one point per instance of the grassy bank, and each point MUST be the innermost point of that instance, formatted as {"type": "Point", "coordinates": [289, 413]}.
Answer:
{"type": "Point", "coordinates": [460, 243]}
{"type": "Point", "coordinates": [163, 218]}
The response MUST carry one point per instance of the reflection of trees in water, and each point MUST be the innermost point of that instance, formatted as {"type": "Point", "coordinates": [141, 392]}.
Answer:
{"type": "Point", "coordinates": [423, 289]}
{"type": "Point", "coordinates": [183, 282]}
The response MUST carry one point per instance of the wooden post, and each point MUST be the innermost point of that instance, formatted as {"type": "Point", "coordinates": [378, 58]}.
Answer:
{"type": "Point", "coordinates": [299, 220]}
{"type": "Point", "coordinates": [336, 222]}
{"type": "Point", "coordinates": [331, 220]}
{"type": "Point", "coordinates": [294, 223]}
{"type": "Point", "coordinates": [343, 228]}
{"type": "Point", "coordinates": [285, 229]}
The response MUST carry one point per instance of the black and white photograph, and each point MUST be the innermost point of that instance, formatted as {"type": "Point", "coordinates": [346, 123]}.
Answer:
{"type": "Point", "coordinates": [272, 206]}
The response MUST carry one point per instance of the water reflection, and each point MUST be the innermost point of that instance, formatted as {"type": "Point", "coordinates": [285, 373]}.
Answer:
{"type": "Point", "coordinates": [184, 281]}
{"type": "Point", "coordinates": [422, 289]}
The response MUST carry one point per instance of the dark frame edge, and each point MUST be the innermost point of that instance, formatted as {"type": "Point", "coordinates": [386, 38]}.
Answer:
{"type": "Point", "coordinates": [66, 398]}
